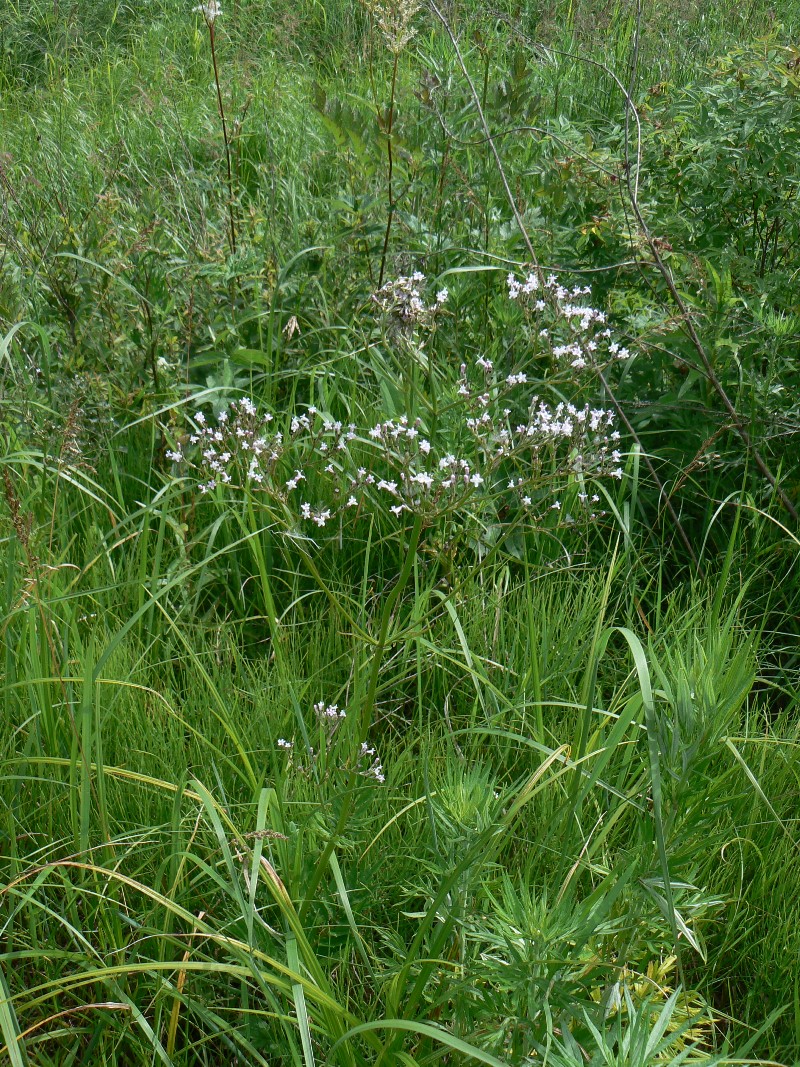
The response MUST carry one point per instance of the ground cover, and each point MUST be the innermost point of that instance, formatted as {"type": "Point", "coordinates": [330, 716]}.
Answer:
{"type": "Point", "coordinates": [400, 484]}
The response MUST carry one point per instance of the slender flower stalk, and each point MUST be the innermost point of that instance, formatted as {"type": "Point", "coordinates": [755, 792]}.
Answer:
{"type": "Point", "coordinates": [211, 12]}
{"type": "Point", "coordinates": [390, 176]}
{"type": "Point", "coordinates": [395, 19]}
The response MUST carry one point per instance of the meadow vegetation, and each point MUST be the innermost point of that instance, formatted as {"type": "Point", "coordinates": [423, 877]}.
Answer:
{"type": "Point", "coordinates": [400, 437]}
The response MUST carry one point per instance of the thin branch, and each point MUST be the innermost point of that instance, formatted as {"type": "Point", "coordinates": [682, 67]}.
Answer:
{"type": "Point", "coordinates": [390, 189]}
{"type": "Point", "coordinates": [212, 39]}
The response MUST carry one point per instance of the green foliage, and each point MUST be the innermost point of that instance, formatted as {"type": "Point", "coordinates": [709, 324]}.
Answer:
{"type": "Point", "coordinates": [557, 817]}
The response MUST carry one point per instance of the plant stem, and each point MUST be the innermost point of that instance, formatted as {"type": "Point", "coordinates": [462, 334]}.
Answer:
{"type": "Point", "coordinates": [211, 37]}
{"type": "Point", "coordinates": [391, 171]}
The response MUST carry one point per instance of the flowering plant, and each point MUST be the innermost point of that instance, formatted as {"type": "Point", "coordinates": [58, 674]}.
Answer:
{"type": "Point", "coordinates": [561, 322]}
{"type": "Point", "coordinates": [319, 763]}
{"type": "Point", "coordinates": [493, 446]}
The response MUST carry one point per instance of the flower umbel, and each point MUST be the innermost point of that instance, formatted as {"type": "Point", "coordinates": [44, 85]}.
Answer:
{"type": "Point", "coordinates": [211, 10]}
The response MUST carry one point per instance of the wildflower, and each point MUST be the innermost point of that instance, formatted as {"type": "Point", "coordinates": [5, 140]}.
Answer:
{"type": "Point", "coordinates": [375, 769]}
{"type": "Point", "coordinates": [330, 711]}
{"type": "Point", "coordinates": [283, 743]}
{"type": "Point", "coordinates": [210, 10]}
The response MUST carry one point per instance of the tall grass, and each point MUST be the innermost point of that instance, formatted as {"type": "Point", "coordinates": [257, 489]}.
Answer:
{"type": "Point", "coordinates": [557, 819]}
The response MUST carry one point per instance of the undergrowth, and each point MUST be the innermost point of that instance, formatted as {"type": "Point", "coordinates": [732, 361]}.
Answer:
{"type": "Point", "coordinates": [399, 458]}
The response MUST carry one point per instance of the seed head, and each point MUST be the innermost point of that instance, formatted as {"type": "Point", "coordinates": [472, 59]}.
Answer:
{"type": "Point", "coordinates": [210, 10]}
{"type": "Point", "coordinates": [395, 21]}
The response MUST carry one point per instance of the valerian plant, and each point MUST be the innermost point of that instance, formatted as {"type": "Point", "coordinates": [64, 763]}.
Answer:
{"type": "Point", "coordinates": [494, 438]}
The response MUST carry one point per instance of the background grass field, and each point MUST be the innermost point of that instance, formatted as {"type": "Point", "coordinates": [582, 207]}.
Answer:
{"type": "Point", "coordinates": [558, 819]}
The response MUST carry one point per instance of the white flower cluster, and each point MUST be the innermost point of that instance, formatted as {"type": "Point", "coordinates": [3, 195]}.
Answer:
{"type": "Point", "coordinates": [395, 20]}
{"type": "Point", "coordinates": [211, 10]}
{"type": "Point", "coordinates": [402, 300]}
{"type": "Point", "coordinates": [369, 764]}
{"type": "Point", "coordinates": [421, 482]}
{"type": "Point", "coordinates": [576, 332]}
{"type": "Point", "coordinates": [319, 471]}
{"type": "Point", "coordinates": [330, 716]}
{"type": "Point", "coordinates": [244, 449]}
{"type": "Point", "coordinates": [578, 442]}
{"type": "Point", "coordinates": [332, 712]}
